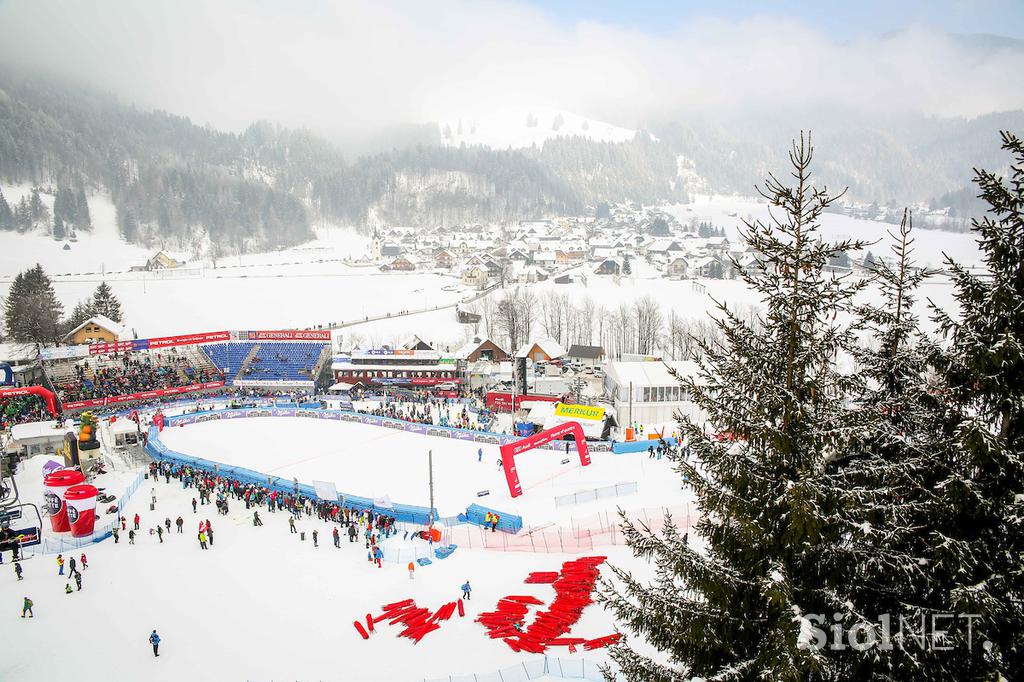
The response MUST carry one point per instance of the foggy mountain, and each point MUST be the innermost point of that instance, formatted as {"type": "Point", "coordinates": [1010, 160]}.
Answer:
{"type": "Point", "coordinates": [175, 182]}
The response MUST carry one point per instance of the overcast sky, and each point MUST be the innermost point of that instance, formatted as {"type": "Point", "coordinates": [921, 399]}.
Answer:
{"type": "Point", "coordinates": [349, 65]}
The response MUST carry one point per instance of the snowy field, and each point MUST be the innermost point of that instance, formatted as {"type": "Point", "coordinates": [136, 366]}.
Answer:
{"type": "Point", "coordinates": [373, 461]}
{"type": "Point", "coordinates": [259, 605]}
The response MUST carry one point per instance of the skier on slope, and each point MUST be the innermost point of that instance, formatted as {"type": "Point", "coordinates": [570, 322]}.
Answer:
{"type": "Point", "coordinates": [154, 639]}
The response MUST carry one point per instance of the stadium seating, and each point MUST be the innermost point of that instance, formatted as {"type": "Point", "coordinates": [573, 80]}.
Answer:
{"type": "Point", "coordinates": [277, 361]}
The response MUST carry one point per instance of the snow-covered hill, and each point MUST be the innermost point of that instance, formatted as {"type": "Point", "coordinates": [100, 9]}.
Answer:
{"type": "Point", "coordinates": [520, 127]}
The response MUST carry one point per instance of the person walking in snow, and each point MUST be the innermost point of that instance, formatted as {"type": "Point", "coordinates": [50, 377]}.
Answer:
{"type": "Point", "coordinates": [17, 570]}
{"type": "Point", "coordinates": [160, 533]}
{"type": "Point", "coordinates": [78, 580]}
{"type": "Point", "coordinates": [131, 537]}
{"type": "Point", "coordinates": [60, 564]}
{"type": "Point", "coordinates": [193, 505]}
{"type": "Point", "coordinates": [256, 521]}
{"type": "Point", "coordinates": [167, 523]}
{"type": "Point", "coordinates": [315, 539]}
{"type": "Point", "coordinates": [83, 561]}
{"type": "Point", "coordinates": [179, 523]}
{"type": "Point", "coordinates": [202, 539]}
{"type": "Point", "coordinates": [116, 534]}
{"type": "Point", "coordinates": [378, 556]}
{"type": "Point", "coordinates": [352, 533]}
{"type": "Point", "coordinates": [480, 454]}
{"type": "Point", "coordinates": [136, 522]}
{"type": "Point", "coordinates": [124, 523]}
{"type": "Point", "coordinates": [291, 524]}
{"type": "Point", "coordinates": [71, 566]}
{"type": "Point", "coordinates": [209, 532]}
{"type": "Point", "coordinates": [154, 639]}
{"type": "Point", "coordinates": [412, 569]}
{"type": "Point", "coordinates": [337, 537]}
{"type": "Point", "coordinates": [26, 607]}
{"type": "Point", "coordinates": [466, 590]}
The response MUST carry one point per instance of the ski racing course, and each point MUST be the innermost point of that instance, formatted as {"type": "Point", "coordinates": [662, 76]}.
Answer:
{"type": "Point", "coordinates": [375, 458]}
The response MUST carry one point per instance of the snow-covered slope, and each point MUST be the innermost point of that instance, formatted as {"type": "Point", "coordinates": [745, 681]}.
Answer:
{"type": "Point", "coordinates": [522, 127]}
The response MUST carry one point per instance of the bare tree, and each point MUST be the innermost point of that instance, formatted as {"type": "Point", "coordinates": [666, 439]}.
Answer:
{"type": "Point", "coordinates": [648, 325]}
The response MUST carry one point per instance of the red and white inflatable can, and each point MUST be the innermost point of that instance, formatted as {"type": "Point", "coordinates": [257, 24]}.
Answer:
{"type": "Point", "coordinates": [55, 485]}
{"type": "Point", "coordinates": [81, 504]}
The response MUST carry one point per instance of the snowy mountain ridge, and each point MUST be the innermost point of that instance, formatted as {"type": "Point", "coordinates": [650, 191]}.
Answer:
{"type": "Point", "coordinates": [522, 127]}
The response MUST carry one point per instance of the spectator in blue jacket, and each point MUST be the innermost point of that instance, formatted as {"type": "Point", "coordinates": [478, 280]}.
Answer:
{"type": "Point", "coordinates": [154, 639]}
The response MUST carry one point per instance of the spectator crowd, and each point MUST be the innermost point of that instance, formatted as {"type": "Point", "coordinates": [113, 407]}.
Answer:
{"type": "Point", "coordinates": [132, 374]}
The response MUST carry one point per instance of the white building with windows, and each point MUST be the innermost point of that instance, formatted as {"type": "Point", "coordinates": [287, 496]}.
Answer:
{"type": "Point", "coordinates": [647, 392]}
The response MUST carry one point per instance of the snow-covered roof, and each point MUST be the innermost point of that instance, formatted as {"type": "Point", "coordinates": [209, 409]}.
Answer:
{"type": "Point", "coordinates": [115, 328]}
{"type": "Point", "coordinates": [650, 373]}
{"type": "Point", "coordinates": [470, 346]}
{"type": "Point", "coordinates": [551, 348]}
{"type": "Point", "coordinates": [30, 430]}
{"type": "Point", "coordinates": [341, 386]}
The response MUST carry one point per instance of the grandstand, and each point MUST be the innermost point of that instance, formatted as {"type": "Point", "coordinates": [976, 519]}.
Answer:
{"type": "Point", "coordinates": [281, 362]}
{"type": "Point", "coordinates": [108, 376]}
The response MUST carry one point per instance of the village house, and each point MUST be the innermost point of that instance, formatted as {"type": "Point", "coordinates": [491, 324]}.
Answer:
{"type": "Point", "coordinates": [475, 276]}
{"type": "Point", "coordinates": [97, 328]}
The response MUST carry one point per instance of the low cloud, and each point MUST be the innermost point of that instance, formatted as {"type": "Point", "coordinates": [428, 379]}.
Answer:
{"type": "Point", "coordinates": [343, 66]}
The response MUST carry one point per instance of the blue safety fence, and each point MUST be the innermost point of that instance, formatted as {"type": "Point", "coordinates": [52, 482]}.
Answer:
{"type": "Point", "coordinates": [508, 523]}
{"type": "Point", "coordinates": [402, 512]}
{"type": "Point", "coordinates": [639, 445]}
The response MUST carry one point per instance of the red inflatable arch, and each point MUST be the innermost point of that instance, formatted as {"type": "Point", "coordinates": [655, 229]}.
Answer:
{"type": "Point", "coordinates": [509, 451]}
{"type": "Point", "coordinates": [47, 396]}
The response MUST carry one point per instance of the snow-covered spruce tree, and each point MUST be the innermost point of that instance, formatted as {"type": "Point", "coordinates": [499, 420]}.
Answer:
{"type": "Point", "coordinates": [881, 496]}
{"type": "Point", "coordinates": [776, 411]}
{"type": "Point", "coordinates": [105, 303]}
{"type": "Point", "coordinates": [978, 553]}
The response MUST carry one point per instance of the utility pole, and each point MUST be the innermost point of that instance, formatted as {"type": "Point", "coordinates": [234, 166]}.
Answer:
{"type": "Point", "coordinates": [430, 477]}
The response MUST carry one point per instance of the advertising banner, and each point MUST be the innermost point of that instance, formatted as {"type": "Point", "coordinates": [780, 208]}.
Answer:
{"type": "Point", "coordinates": [287, 335]}
{"type": "Point", "coordinates": [271, 383]}
{"type": "Point", "coordinates": [118, 347]}
{"type": "Point", "coordinates": [189, 339]}
{"type": "Point", "coordinates": [64, 352]}
{"type": "Point", "coordinates": [147, 395]}
{"type": "Point", "coordinates": [502, 402]}
{"type": "Point", "coordinates": [432, 381]}
{"type": "Point", "coordinates": [579, 412]}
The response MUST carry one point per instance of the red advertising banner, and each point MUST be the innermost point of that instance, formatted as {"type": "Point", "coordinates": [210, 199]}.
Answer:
{"type": "Point", "coordinates": [431, 381]}
{"type": "Point", "coordinates": [290, 335]}
{"type": "Point", "coordinates": [147, 395]}
{"type": "Point", "coordinates": [189, 339]}
{"type": "Point", "coordinates": [502, 402]}
{"type": "Point", "coordinates": [107, 348]}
